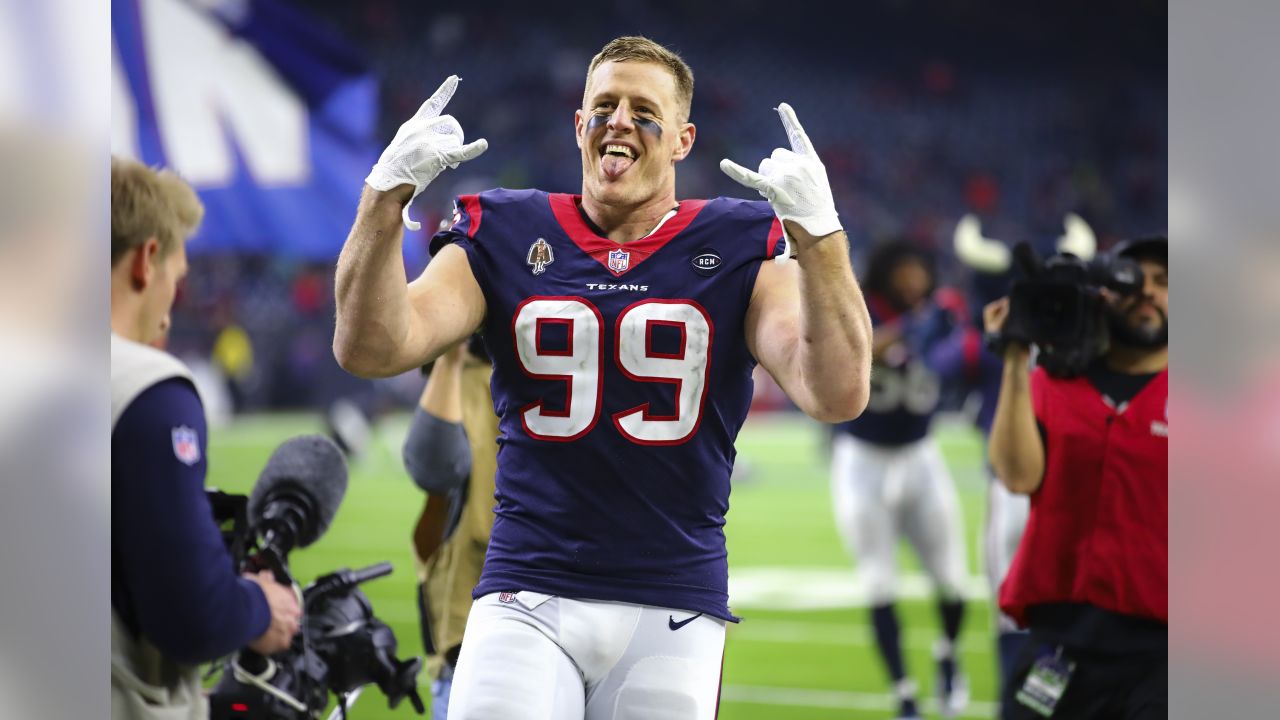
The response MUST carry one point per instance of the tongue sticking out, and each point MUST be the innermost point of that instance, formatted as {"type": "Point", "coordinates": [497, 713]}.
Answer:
{"type": "Point", "coordinates": [615, 165]}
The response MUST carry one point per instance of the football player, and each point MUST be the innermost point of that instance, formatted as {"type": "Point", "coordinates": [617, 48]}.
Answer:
{"type": "Point", "coordinates": [623, 326]}
{"type": "Point", "coordinates": [888, 478]}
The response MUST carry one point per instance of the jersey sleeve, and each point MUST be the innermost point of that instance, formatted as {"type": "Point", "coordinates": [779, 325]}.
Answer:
{"type": "Point", "coordinates": [467, 219]}
{"type": "Point", "coordinates": [467, 216]}
{"type": "Point", "coordinates": [753, 223]}
{"type": "Point", "coordinates": [168, 558]}
{"type": "Point", "coordinates": [775, 244]}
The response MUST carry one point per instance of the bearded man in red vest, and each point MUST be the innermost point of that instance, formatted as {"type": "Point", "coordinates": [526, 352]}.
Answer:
{"type": "Point", "coordinates": [1091, 577]}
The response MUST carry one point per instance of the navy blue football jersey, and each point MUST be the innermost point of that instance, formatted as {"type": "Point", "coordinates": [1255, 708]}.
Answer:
{"type": "Point", "coordinates": [905, 387]}
{"type": "Point", "coordinates": [621, 378]}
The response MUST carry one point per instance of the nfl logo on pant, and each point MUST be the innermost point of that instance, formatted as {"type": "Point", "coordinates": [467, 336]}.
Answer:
{"type": "Point", "coordinates": [506, 597]}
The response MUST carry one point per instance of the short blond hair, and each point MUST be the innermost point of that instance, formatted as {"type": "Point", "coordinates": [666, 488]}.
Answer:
{"type": "Point", "coordinates": [634, 48]}
{"type": "Point", "coordinates": [148, 203]}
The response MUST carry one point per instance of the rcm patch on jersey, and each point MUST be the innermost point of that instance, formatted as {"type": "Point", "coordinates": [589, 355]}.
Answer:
{"type": "Point", "coordinates": [186, 445]}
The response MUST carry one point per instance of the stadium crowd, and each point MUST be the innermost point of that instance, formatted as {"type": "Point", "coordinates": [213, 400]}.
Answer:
{"type": "Point", "coordinates": [1019, 120]}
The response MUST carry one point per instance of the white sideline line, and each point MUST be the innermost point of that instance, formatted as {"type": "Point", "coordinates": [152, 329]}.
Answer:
{"type": "Point", "coordinates": [838, 699]}
{"type": "Point", "coordinates": [826, 588]}
{"type": "Point", "coordinates": [834, 699]}
{"type": "Point", "coordinates": [846, 634]}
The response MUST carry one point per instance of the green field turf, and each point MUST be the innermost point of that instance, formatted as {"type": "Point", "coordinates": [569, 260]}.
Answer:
{"type": "Point", "coordinates": [804, 650]}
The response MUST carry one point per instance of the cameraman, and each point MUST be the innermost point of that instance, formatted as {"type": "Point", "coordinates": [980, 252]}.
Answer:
{"type": "Point", "coordinates": [176, 600]}
{"type": "Point", "coordinates": [1090, 578]}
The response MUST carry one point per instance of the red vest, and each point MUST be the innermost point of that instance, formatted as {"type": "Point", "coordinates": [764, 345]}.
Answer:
{"type": "Point", "coordinates": [1098, 532]}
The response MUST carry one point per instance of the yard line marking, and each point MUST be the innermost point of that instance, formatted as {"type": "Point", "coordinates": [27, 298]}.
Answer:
{"type": "Point", "coordinates": [852, 634]}
{"type": "Point", "coordinates": [826, 588]}
{"type": "Point", "coordinates": [838, 699]}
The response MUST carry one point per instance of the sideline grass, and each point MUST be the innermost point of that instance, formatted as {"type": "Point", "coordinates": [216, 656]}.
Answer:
{"type": "Point", "coordinates": [779, 663]}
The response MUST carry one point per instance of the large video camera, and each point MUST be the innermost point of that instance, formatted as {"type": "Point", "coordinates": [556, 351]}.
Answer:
{"type": "Point", "coordinates": [341, 647]}
{"type": "Point", "coordinates": [1058, 306]}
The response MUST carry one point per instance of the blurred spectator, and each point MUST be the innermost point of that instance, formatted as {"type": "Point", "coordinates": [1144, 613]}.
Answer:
{"type": "Point", "coordinates": [233, 357]}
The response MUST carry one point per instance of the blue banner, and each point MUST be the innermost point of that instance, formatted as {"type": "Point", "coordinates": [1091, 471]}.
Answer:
{"type": "Point", "coordinates": [267, 114]}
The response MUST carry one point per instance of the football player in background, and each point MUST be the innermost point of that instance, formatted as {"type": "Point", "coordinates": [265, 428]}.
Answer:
{"type": "Point", "coordinates": [888, 478]}
{"type": "Point", "coordinates": [622, 373]}
{"type": "Point", "coordinates": [450, 452]}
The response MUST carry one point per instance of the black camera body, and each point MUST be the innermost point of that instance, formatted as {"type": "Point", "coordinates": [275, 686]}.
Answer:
{"type": "Point", "coordinates": [1058, 306]}
{"type": "Point", "coordinates": [340, 648]}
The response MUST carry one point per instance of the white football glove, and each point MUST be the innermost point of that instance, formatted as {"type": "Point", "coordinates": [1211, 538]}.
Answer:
{"type": "Point", "coordinates": [793, 181]}
{"type": "Point", "coordinates": [423, 147]}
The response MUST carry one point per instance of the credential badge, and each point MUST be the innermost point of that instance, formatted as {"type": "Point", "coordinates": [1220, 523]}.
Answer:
{"type": "Point", "coordinates": [540, 256]}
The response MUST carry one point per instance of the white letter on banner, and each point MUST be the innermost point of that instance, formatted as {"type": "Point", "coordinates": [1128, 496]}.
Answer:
{"type": "Point", "coordinates": [207, 84]}
{"type": "Point", "coordinates": [124, 114]}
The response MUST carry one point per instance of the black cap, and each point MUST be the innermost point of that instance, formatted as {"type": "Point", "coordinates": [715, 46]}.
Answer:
{"type": "Point", "coordinates": [1154, 247]}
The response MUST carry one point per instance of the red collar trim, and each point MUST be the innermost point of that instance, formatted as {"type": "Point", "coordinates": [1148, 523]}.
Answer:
{"type": "Point", "coordinates": [565, 208]}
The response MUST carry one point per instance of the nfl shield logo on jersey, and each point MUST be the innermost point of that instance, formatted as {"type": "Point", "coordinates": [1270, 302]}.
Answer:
{"type": "Point", "coordinates": [186, 445]}
{"type": "Point", "coordinates": [619, 260]}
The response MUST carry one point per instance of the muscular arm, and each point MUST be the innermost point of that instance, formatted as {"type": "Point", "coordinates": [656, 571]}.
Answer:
{"type": "Point", "coordinates": [808, 326]}
{"type": "Point", "coordinates": [386, 326]}
{"type": "Point", "coordinates": [1014, 446]}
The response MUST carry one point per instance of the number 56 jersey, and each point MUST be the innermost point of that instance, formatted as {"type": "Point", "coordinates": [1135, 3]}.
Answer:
{"type": "Point", "coordinates": [621, 378]}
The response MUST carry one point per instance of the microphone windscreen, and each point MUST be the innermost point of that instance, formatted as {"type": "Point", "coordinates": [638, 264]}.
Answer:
{"type": "Point", "coordinates": [309, 465]}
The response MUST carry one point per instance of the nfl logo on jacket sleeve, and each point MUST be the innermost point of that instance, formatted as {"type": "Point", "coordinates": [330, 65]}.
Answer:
{"type": "Point", "coordinates": [186, 445]}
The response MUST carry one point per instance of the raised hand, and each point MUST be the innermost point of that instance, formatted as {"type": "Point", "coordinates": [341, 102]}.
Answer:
{"type": "Point", "coordinates": [423, 147]}
{"type": "Point", "coordinates": [793, 181]}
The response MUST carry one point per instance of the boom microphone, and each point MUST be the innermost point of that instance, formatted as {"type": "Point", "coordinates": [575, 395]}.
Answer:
{"type": "Point", "coordinates": [298, 492]}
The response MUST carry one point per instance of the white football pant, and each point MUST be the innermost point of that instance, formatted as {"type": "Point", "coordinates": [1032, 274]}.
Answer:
{"type": "Point", "coordinates": [881, 493]}
{"type": "Point", "coordinates": [1006, 519]}
{"type": "Point", "coordinates": [531, 656]}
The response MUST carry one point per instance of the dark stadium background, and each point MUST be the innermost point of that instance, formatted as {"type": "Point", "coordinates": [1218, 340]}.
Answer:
{"type": "Point", "coordinates": [921, 111]}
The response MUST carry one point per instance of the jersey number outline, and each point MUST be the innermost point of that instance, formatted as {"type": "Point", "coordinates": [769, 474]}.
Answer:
{"type": "Point", "coordinates": [580, 366]}
{"type": "Point", "coordinates": [913, 388]}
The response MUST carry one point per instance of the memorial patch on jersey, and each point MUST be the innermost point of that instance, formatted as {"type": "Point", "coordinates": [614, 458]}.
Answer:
{"type": "Point", "coordinates": [186, 445]}
{"type": "Point", "coordinates": [619, 260]}
{"type": "Point", "coordinates": [540, 256]}
{"type": "Point", "coordinates": [706, 262]}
